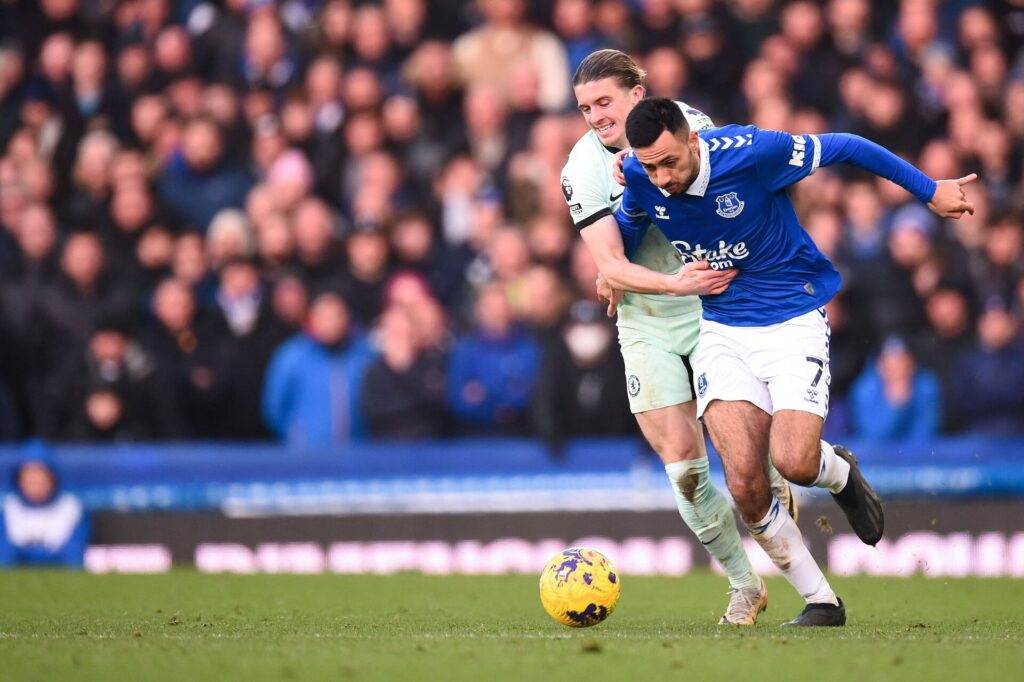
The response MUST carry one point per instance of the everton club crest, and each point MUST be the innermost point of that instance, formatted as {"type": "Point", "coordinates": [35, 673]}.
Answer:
{"type": "Point", "coordinates": [729, 205]}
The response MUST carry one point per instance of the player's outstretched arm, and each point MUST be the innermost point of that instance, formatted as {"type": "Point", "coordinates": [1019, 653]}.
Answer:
{"type": "Point", "coordinates": [945, 198]}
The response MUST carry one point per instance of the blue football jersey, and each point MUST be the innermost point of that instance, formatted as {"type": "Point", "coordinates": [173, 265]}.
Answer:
{"type": "Point", "coordinates": [737, 214]}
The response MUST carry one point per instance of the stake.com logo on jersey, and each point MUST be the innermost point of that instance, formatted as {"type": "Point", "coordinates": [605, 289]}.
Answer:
{"type": "Point", "coordinates": [721, 258]}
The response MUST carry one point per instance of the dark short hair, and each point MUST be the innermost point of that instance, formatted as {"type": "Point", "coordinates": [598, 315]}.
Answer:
{"type": "Point", "coordinates": [609, 64]}
{"type": "Point", "coordinates": [651, 117]}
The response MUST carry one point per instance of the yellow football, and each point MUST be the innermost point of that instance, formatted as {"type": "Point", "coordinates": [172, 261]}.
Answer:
{"type": "Point", "coordinates": [579, 587]}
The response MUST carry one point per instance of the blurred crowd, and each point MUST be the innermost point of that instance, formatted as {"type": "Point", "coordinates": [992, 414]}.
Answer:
{"type": "Point", "coordinates": [325, 220]}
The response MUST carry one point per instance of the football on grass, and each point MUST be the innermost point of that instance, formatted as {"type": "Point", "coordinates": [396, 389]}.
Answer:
{"type": "Point", "coordinates": [579, 587]}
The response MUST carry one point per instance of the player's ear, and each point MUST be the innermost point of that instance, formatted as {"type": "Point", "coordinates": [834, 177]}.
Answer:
{"type": "Point", "coordinates": [636, 94]}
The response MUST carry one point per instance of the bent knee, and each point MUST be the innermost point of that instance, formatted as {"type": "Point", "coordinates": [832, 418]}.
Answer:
{"type": "Point", "coordinates": [746, 491]}
{"type": "Point", "coordinates": [677, 452]}
{"type": "Point", "coordinates": [752, 500]}
{"type": "Point", "coordinates": [673, 433]}
{"type": "Point", "coordinates": [799, 470]}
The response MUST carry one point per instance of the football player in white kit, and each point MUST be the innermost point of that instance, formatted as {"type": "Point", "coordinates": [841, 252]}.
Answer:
{"type": "Point", "coordinates": [657, 333]}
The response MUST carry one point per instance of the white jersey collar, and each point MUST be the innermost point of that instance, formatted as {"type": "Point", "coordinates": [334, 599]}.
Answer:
{"type": "Point", "coordinates": [700, 185]}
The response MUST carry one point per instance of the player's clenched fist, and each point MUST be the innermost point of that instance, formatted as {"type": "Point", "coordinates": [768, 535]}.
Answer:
{"type": "Point", "coordinates": [950, 200]}
{"type": "Point", "coordinates": [699, 279]}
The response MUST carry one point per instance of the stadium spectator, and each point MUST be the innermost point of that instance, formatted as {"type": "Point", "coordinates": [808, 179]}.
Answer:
{"type": "Point", "coordinates": [105, 416]}
{"type": "Point", "coordinates": [550, 241]}
{"type": "Point", "coordinates": [893, 302]}
{"type": "Point", "coordinates": [989, 375]}
{"type": "Point", "coordinates": [40, 524]}
{"type": "Point", "coordinates": [534, 170]}
{"type": "Point", "coordinates": [190, 359]}
{"type": "Point", "coordinates": [490, 53]}
{"type": "Point", "coordinates": [368, 266]}
{"type": "Point", "coordinates": [403, 395]}
{"type": "Point", "coordinates": [290, 302]}
{"type": "Point", "coordinates": [667, 75]}
{"type": "Point", "coordinates": [416, 247]}
{"type": "Point", "coordinates": [189, 265]}
{"type": "Point", "coordinates": [508, 255]}
{"type": "Point", "coordinates": [318, 255]}
{"type": "Point", "coordinates": [88, 99]}
{"type": "Point", "coordinates": [33, 269]}
{"type": "Point", "coordinates": [950, 333]}
{"type": "Point", "coordinates": [311, 396]}
{"type": "Point", "coordinates": [865, 223]}
{"type": "Point", "coordinates": [493, 369]}
{"type": "Point", "coordinates": [1000, 263]}
{"type": "Point", "coordinates": [267, 60]}
{"type": "Point", "coordinates": [289, 178]}
{"type": "Point", "coordinates": [229, 237]}
{"type": "Point", "coordinates": [543, 303]}
{"type": "Point", "coordinates": [198, 181]}
{"type": "Point", "coordinates": [115, 362]}
{"type": "Point", "coordinates": [85, 206]}
{"type": "Point", "coordinates": [132, 210]}
{"type": "Point", "coordinates": [487, 132]}
{"type": "Point", "coordinates": [574, 22]}
{"type": "Point", "coordinates": [431, 323]}
{"type": "Point", "coordinates": [894, 399]}
{"type": "Point", "coordinates": [250, 331]}
{"type": "Point", "coordinates": [431, 73]}
{"type": "Point", "coordinates": [581, 380]}
{"type": "Point", "coordinates": [83, 293]}
{"type": "Point", "coordinates": [714, 69]}
{"type": "Point", "coordinates": [275, 244]}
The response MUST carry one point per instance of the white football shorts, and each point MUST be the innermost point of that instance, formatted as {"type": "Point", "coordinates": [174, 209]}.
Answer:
{"type": "Point", "coordinates": [781, 366]}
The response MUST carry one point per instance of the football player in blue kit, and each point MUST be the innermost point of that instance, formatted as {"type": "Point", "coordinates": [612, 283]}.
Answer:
{"type": "Point", "coordinates": [762, 361]}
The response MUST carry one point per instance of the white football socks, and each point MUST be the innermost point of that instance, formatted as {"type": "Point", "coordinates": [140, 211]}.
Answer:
{"type": "Point", "coordinates": [833, 470]}
{"type": "Point", "coordinates": [780, 538]}
{"type": "Point", "coordinates": [775, 479]}
{"type": "Point", "coordinates": [708, 514]}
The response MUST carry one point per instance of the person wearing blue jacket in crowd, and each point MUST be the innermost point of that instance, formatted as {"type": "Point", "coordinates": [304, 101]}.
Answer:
{"type": "Point", "coordinates": [198, 181]}
{"type": "Point", "coordinates": [40, 524]}
{"type": "Point", "coordinates": [493, 370]}
{"type": "Point", "coordinates": [314, 380]}
{"type": "Point", "coordinates": [895, 399]}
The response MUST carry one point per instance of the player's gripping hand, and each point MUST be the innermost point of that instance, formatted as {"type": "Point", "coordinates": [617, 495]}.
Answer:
{"type": "Point", "coordinates": [698, 279]}
{"type": "Point", "coordinates": [617, 173]}
{"type": "Point", "coordinates": [608, 294]}
{"type": "Point", "coordinates": [949, 200]}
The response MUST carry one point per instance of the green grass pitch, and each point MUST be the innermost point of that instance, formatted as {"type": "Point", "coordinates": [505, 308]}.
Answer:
{"type": "Point", "coordinates": [187, 626]}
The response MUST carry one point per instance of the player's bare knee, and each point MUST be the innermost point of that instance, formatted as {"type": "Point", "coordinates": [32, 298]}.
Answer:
{"type": "Point", "coordinates": [802, 470]}
{"type": "Point", "coordinates": [678, 451]}
{"type": "Point", "coordinates": [672, 433]}
{"type": "Point", "coordinates": [752, 509]}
